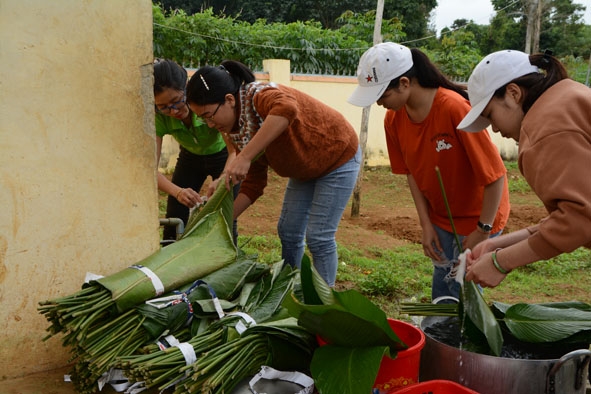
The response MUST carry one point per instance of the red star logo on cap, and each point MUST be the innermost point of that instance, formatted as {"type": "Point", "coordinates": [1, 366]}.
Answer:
{"type": "Point", "coordinates": [369, 78]}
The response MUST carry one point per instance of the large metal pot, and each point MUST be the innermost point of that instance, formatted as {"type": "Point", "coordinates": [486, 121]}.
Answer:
{"type": "Point", "coordinates": [499, 375]}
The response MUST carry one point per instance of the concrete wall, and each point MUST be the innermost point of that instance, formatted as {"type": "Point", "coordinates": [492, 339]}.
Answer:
{"type": "Point", "coordinates": [77, 157]}
{"type": "Point", "coordinates": [333, 91]}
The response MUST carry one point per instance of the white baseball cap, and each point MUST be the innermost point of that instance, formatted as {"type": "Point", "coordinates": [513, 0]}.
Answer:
{"type": "Point", "coordinates": [378, 66]}
{"type": "Point", "coordinates": [493, 72]}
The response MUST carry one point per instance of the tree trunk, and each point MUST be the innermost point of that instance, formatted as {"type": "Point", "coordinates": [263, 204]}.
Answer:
{"type": "Point", "coordinates": [377, 38]}
{"type": "Point", "coordinates": [537, 27]}
{"type": "Point", "coordinates": [531, 8]}
{"type": "Point", "coordinates": [356, 202]}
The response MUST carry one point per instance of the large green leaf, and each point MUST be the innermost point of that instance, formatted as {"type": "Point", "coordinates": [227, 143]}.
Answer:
{"type": "Point", "coordinates": [344, 370]}
{"type": "Point", "coordinates": [316, 291]}
{"type": "Point", "coordinates": [221, 200]}
{"type": "Point", "coordinates": [347, 319]}
{"type": "Point", "coordinates": [182, 262]}
{"type": "Point", "coordinates": [356, 331]}
{"type": "Point", "coordinates": [500, 308]}
{"type": "Point", "coordinates": [340, 327]}
{"type": "Point", "coordinates": [282, 282]}
{"type": "Point", "coordinates": [539, 323]}
{"type": "Point", "coordinates": [474, 308]}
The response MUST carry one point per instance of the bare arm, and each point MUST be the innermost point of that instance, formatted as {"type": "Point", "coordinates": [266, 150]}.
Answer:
{"type": "Point", "coordinates": [517, 253]}
{"type": "Point", "coordinates": [272, 127]}
{"type": "Point", "coordinates": [493, 192]}
{"type": "Point", "coordinates": [430, 240]}
{"type": "Point", "coordinates": [231, 156]}
{"type": "Point", "coordinates": [240, 204]}
{"type": "Point", "coordinates": [186, 196]}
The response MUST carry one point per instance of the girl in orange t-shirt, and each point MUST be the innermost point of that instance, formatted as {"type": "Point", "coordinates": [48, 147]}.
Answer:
{"type": "Point", "coordinates": [424, 109]}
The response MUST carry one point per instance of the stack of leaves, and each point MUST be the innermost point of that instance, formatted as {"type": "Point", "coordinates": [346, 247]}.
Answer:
{"type": "Point", "coordinates": [356, 330]}
{"type": "Point", "coordinates": [224, 353]}
{"type": "Point", "coordinates": [99, 321]}
{"type": "Point", "coordinates": [281, 344]}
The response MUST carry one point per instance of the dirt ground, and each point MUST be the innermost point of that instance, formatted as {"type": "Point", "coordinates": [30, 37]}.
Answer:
{"type": "Point", "coordinates": [387, 216]}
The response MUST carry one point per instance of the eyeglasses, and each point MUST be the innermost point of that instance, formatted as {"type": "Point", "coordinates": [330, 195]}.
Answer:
{"type": "Point", "coordinates": [210, 117]}
{"type": "Point", "coordinates": [177, 106]}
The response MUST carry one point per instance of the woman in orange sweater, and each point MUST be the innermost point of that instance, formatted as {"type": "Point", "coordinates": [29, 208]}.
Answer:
{"type": "Point", "coordinates": [299, 137]}
{"type": "Point", "coordinates": [549, 115]}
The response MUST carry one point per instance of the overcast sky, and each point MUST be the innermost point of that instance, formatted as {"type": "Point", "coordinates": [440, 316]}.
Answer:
{"type": "Point", "coordinates": [480, 11]}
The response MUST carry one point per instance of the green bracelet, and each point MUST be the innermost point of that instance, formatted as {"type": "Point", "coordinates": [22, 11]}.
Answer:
{"type": "Point", "coordinates": [496, 263]}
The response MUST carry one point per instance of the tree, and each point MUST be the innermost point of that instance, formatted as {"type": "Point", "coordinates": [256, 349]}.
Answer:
{"type": "Point", "coordinates": [531, 25]}
{"type": "Point", "coordinates": [361, 26]}
{"type": "Point", "coordinates": [563, 29]}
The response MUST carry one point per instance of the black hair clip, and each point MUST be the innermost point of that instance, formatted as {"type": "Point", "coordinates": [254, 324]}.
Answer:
{"type": "Point", "coordinates": [223, 69]}
{"type": "Point", "coordinates": [547, 54]}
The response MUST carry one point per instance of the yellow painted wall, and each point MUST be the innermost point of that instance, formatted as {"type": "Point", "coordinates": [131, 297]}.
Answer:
{"type": "Point", "coordinates": [77, 158]}
{"type": "Point", "coordinates": [334, 91]}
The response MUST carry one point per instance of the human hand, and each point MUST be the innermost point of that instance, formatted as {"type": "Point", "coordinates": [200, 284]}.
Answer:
{"type": "Point", "coordinates": [188, 197]}
{"type": "Point", "coordinates": [483, 247]}
{"type": "Point", "coordinates": [431, 246]}
{"type": "Point", "coordinates": [473, 239]}
{"type": "Point", "coordinates": [482, 271]}
{"type": "Point", "coordinates": [236, 171]}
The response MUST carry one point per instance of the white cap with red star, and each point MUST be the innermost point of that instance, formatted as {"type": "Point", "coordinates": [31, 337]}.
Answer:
{"type": "Point", "coordinates": [378, 66]}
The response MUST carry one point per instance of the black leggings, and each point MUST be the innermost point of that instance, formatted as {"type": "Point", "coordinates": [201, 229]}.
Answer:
{"type": "Point", "coordinates": [191, 171]}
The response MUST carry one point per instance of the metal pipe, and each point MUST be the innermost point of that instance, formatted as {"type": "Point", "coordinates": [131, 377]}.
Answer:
{"type": "Point", "coordinates": [178, 223]}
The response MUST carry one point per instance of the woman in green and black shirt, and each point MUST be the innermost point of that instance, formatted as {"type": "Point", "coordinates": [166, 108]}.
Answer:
{"type": "Point", "coordinates": [202, 153]}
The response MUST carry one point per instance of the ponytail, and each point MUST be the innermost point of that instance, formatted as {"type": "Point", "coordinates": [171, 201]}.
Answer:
{"type": "Point", "coordinates": [535, 84]}
{"type": "Point", "coordinates": [428, 75]}
{"type": "Point", "coordinates": [210, 85]}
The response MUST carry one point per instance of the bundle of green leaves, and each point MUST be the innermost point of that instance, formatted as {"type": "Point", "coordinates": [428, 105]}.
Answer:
{"type": "Point", "coordinates": [225, 352]}
{"type": "Point", "coordinates": [100, 321]}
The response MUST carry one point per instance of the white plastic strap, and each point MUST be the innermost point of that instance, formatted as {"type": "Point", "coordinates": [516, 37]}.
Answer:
{"type": "Point", "coordinates": [136, 388]}
{"type": "Point", "coordinates": [156, 282]}
{"type": "Point", "coordinates": [163, 302]}
{"type": "Point", "coordinates": [116, 378]}
{"type": "Point", "coordinates": [90, 276]}
{"type": "Point", "coordinates": [188, 352]}
{"type": "Point", "coordinates": [170, 339]}
{"type": "Point", "coordinates": [218, 307]}
{"type": "Point", "coordinates": [294, 377]}
{"type": "Point", "coordinates": [240, 327]}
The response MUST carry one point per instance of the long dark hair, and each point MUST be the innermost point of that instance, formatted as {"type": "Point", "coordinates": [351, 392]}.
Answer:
{"type": "Point", "coordinates": [168, 75]}
{"type": "Point", "coordinates": [535, 84]}
{"type": "Point", "coordinates": [428, 75]}
{"type": "Point", "coordinates": [209, 85]}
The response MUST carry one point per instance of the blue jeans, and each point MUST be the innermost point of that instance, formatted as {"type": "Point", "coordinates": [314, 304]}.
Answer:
{"type": "Point", "coordinates": [442, 284]}
{"type": "Point", "coordinates": [311, 214]}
